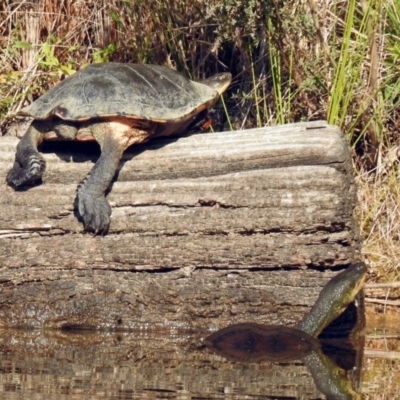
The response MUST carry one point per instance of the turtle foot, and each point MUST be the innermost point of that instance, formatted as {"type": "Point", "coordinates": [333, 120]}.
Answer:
{"type": "Point", "coordinates": [27, 171]}
{"type": "Point", "coordinates": [94, 212]}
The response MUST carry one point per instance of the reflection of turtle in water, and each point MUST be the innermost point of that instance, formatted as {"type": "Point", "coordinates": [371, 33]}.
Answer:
{"type": "Point", "coordinates": [256, 342]}
{"type": "Point", "coordinates": [118, 105]}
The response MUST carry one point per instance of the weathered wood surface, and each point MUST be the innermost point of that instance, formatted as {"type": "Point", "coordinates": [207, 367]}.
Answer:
{"type": "Point", "coordinates": [229, 221]}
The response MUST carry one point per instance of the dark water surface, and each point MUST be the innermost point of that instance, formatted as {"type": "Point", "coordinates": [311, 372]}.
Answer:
{"type": "Point", "coordinates": [137, 365]}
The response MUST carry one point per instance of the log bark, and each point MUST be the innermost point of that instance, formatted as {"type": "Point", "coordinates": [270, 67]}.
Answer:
{"type": "Point", "coordinates": [206, 230]}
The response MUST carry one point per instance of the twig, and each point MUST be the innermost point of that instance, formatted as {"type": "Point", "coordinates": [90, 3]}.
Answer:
{"type": "Point", "coordinates": [382, 354]}
{"type": "Point", "coordinates": [382, 285]}
{"type": "Point", "coordinates": [385, 302]}
{"type": "Point", "coordinates": [376, 337]}
{"type": "Point", "coordinates": [325, 47]}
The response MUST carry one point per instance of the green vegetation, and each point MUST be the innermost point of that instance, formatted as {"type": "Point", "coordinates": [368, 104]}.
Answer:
{"type": "Point", "coordinates": [291, 61]}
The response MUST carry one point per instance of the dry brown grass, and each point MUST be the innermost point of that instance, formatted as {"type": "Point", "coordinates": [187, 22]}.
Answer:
{"type": "Point", "coordinates": [379, 216]}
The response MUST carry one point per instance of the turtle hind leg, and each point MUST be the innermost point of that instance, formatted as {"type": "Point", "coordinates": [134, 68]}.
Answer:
{"type": "Point", "coordinates": [91, 204]}
{"type": "Point", "coordinates": [114, 136]}
{"type": "Point", "coordinates": [29, 165]}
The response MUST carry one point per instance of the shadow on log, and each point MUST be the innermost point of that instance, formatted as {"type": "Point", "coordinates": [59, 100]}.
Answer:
{"type": "Point", "coordinates": [206, 230]}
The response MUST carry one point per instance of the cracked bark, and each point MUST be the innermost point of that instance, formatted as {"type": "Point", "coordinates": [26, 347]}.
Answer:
{"type": "Point", "coordinates": [206, 230]}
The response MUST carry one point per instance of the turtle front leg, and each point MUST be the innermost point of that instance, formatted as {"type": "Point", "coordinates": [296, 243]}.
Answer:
{"type": "Point", "coordinates": [29, 165]}
{"type": "Point", "coordinates": [92, 206]}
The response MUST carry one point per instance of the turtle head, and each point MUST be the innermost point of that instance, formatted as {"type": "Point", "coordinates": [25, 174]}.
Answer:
{"type": "Point", "coordinates": [218, 82]}
{"type": "Point", "coordinates": [334, 298]}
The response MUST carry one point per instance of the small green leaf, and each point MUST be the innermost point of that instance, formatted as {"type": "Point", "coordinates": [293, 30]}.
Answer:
{"type": "Point", "coordinates": [22, 45]}
{"type": "Point", "coordinates": [116, 18]}
{"type": "Point", "coordinates": [74, 48]}
{"type": "Point", "coordinates": [67, 69]}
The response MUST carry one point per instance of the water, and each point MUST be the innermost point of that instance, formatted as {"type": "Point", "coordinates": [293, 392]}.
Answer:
{"type": "Point", "coordinates": [158, 365]}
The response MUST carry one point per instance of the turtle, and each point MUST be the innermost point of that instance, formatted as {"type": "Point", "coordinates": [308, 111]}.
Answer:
{"type": "Point", "coordinates": [118, 105]}
{"type": "Point", "coordinates": [258, 342]}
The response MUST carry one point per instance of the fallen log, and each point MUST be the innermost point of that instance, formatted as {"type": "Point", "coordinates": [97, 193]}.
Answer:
{"type": "Point", "coordinates": [206, 230]}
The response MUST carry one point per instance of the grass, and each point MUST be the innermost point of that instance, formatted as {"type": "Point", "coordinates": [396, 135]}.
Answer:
{"type": "Point", "coordinates": [291, 61]}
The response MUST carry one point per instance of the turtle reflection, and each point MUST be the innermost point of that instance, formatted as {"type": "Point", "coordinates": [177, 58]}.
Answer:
{"type": "Point", "coordinates": [251, 342]}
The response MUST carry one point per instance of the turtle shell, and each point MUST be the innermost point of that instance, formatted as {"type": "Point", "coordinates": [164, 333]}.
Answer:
{"type": "Point", "coordinates": [139, 91]}
{"type": "Point", "coordinates": [251, 342]}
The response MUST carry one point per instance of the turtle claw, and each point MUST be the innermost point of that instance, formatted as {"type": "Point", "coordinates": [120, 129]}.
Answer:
{"type": "Point", "coordinates": [94, 212]}
{"type": "Point", "coordinates": [27, 172]}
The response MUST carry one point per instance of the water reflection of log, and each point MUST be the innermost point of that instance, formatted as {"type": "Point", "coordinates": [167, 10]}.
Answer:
{"type": "Point", "coordinates": [206, 231]}
{"type": "Point", "coordinates": [136, 365]}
